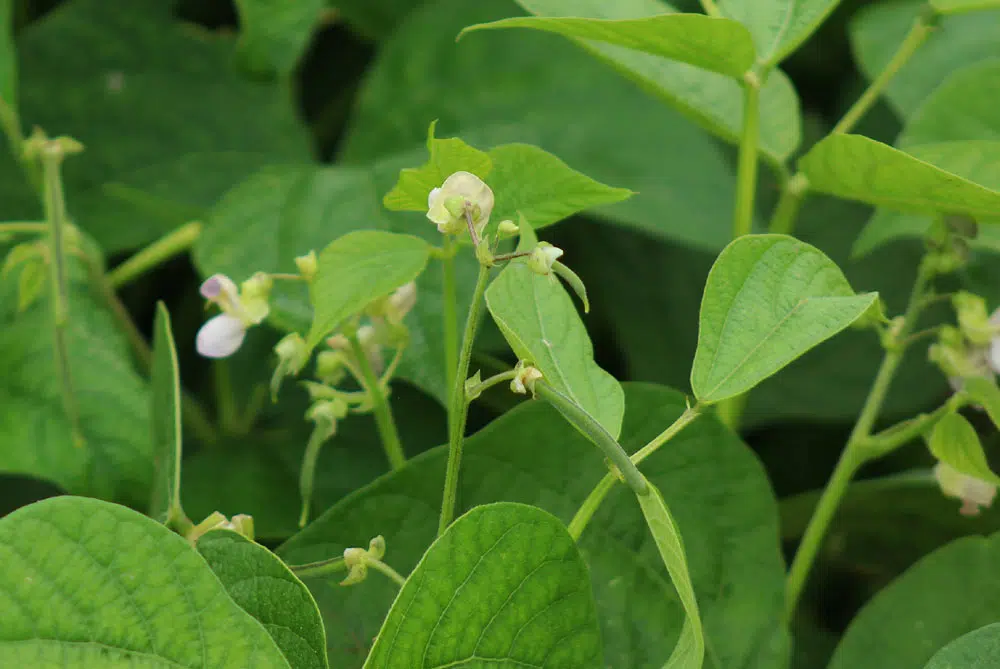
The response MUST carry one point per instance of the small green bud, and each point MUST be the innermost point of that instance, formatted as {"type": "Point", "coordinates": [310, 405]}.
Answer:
{"type": "Point", "coordinates": [307, 266]}
{"type": "Point", "coordinates": [330, 366]}
{"type": "Point", "coordinates": [973, 318]}
{"type": "Point", "coordinates": [508, 229]}
{"type": "Point", "coordinates": [293, 354]}
{"type": "Point", "coordinates": [543, 257]}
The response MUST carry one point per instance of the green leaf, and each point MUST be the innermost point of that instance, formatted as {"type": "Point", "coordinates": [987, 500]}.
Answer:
{"type": "Point", "coordinates": [974, 160]}
{"type": "Point", "coordinates": [540, 322]}
{"type": "Point", "coordinates": [375, 19]}
{"type": "Point", "coordinates": [90, 584]}
{"type": "Point", "coordinates": [878, 29]}
{"type": "Point", "coordinates": [716, 490]}
{"type": "Point", "coordinates": [274, 34]}
{"type": "Point", "coordinates": [768, 300]}
{"type": "Point", "coordinates": [713, 101]}
{"type": "Point", "coordinates": [167, 122]}
{"type": "Point", "coordinates": [115, 463]}
{"type": "Point", "coordinates": [714, 44]}
{"type": "Point", "coordinates": [357, 269]}
{"type": "Point", "coordinates": [858, 168]}
{"type": "Point", "coordinates": [985, 393]}
{"type": "Point", "coordinates": [961, 108]}
{"type": "Point", "coordinates": [648, 148]}
{"type": "Point", "coordinates": [779, 27]}
{"type": "Point", "coordinates": [265, 588]}
{"type": "Point", "coordinates": [945, 595]}
{"type": "Point", "coordinates": [165, 412]}
{"type": "Point", "coordinates": [975, 650]}
{"type": "Point", "coordinates": [505, 585]}
{"type": "Point", "coordinates": [690, 650]}
{"type": "Point", "coordinates": [8, 56]}
{"type": "Point", "coordinates": [447, 156]}
{"type": "Point", "coordinates": [954, 442]}
{"type": "Point", "coordinates": [960, 6]}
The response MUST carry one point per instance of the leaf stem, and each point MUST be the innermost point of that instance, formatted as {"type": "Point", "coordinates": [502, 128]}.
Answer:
{"type": "Point", "coordinates": [384, 421]}
{"type": "Point", "coordinates": [857, 452]}
{"type": "Point", "coordinates": [590, 505]}
{"type": "Point", "coordinates": [746, 176]}
{"type": "Point", "coordinates": [51, 155]}
{"type": "Point", "coordinates": [382, 567]}
{"type": "Point", "coordinates": [921, 29]}
{"type": "Point", "coordinates": [793, 192]}
{"type": "Point", "coordinates": [449, 312]}
{"type": "Point", "coordinates": [595, 432]}
{"type": "Point", "coordinates": [19, 227]}
{"type": "Point", "coordinates": [160, 251]}
{"type": "Point", "coordinates": [458, 409]}
{"type": "Point", "coordinates": [486, 384]}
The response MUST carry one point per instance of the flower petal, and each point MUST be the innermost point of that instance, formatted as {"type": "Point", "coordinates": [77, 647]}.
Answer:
{"type": "Point", "coordinates": [220, 336]}
{"type": "Point", "coordinates": [993, 357]}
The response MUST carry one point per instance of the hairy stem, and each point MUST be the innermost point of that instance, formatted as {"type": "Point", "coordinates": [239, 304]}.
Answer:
{"type": "Point", "coordinates": [384, 421]}
{"type": "Point", "coordinates": [856, 453]}
{"type": "Point", "coordinates": [158, 252]}
{"type": "Point", "coordinates": [458, 409]}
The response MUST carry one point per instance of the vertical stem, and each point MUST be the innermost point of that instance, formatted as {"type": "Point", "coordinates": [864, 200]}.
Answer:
{"type": "Point", "coordinates": [225, 398]}
{"type": "Point", "coordinates": [449, 297]}
{"type": "Point", "coordinates": [919, 32]}
{"type": "Point", "coordinates": [746, 176]}
{"type": "Point", "coordinates": [855, 454]}
{"type": "Point", "coordinates": [458, 409]}
{"type": "Point", "coordinates": [384, 421]}
{"type": "Point", "coordinates": [55, 212]}
{"type": "Point", "coordinates": [785, 213]}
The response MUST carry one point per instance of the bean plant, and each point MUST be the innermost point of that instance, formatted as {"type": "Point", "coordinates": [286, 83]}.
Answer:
{"type": "Point", "coordinates": [303, 515]}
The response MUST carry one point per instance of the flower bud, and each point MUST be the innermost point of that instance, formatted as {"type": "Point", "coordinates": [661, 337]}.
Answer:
{"type": "Point", "coordinates": [525, 378]}
{"type": "Point", "coordinates": [401, 302]}
{"type": "Point", "coordinates": [460, 193]}
{"type": "Point", "coordinates": [508, 229]}
{"type": "Point", "coordinates": [307, 265]}
{"type": "Point", "coordinates": [543, 257]}
{"type": "Point", "coordinates": [330, 366]}
{"type": "Point", "coordinates": [974, 493]}
{"type": "Point", "coordinates": [255, 295]}
{"type": "Point", "coordinates": [973, 318]}
{"type": "Point", "coordinates": [293, 354]}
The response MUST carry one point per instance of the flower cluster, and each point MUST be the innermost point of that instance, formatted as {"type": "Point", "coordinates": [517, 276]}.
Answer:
{"type": "Point", "coordinates": [242, 308]}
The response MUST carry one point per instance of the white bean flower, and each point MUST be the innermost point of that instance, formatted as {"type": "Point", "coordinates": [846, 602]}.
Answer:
{"type": "Point", "coordinates": [543, 257]}
{"type": "Point", "coordinates": [461, 192]}
{"type": "Point", "coordinates": [222, 335]}
{"type": "Point", "coordinates": [974, 493]}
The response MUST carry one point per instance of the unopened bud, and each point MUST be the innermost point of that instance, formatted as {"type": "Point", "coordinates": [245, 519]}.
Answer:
{"type": "Point", "coordinates": [543, 257]}
{"type": "Point", "coordinates": [508, 229]}
{"type": "Point", "coordinates": [293, 354]}
{"type": "Point", "coordinates": [525, 378]}
{"type": "Point", "coordinates": [307, 265]}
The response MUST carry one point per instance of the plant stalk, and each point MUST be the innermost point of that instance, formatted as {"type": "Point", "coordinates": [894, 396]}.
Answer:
{"type": "Point", "coordinates": [857, 451]}
{"type": "Point", "coordinates": [384, 421]}
{"type": "Point", "coordinates": [458, 409]}
{"type": "Point", "coordinates": [449, 308]}
{"type": "Point", "coordinates": [158, 252]}
{"type": "Point", "coordinates": [746, 176]}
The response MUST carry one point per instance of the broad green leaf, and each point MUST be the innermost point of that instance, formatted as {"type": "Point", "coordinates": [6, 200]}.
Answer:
{"type": "Point", "coordinates": [167, 121]}
{"type": "Point", "coordinates": [165, 414]}
{"type": "Point", "coordinates": [954, 441]}
{"type": "Point", "coordinates": [711, 43]}
{"type": "Point", "coordinates": [690, 650]}
{"type": "Point", "coordinates": [961, 108]}
{"type": "Point", "coordinates": [950, 592]}
{"type": "Point", "coordinates": [960, 6]}
{"type": "Point", "coordinates": [858, 168]}
{"type": "Point", "coordinates": [374, 19]}
{"type": "Point", "coordinates": [504, 586]}
{"type": "Point", "coordinates": [975, 160]}
{"type": "Point", "coordinates": [540, 322]}
{"type": "Point", "coordinates": [274, 34]}
{"type": "Point", "coordinates": [90, 584]}
{"type": "Point", "coordinates": [779, 27]}
{"type": "Point", "coordinates": [828, 384]}
{"type": "Point", "coordinates": [116, 461]}
{"type": "Point", "coordinates": [768, 300]}
{"type": "Point", "coordinates": [263, 586]}
{"type": "Point", "coordinates": [8, 56]}
{"type": "Point", "coordinates": [446, 156]}
{"type": "Point", "coordinates": [975, 650]}
{"type": "Point", "coordinates": [647, 148]}
{"type": "Point", "coordinates": [713, 101]}
{"type": "Point", "coordinates": [885, 525]}
{"type": "Point", "coordinates": [357, 269]}
{"type": "Point", "coordinates": [717, 492]}
{"type": "Point", "coordinates": [878, 30]}
{"type": "Point", "coordinates": [985, 393]}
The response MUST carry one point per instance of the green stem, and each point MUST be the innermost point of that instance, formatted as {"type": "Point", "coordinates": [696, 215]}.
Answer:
{"type": "Point", "coordinates": [458, 409]}
{"type": "Point", "coordinates": [55, 213]}
{"type": "Point", "coordinates": [225, 396]}
{"type": "Point", "coordinates": [160, 251]}
{"type": "Point", "coordinates": [382, 567]}
{"type": "Point", "coordinates": [746, 176]}
{"type": "Point", "coordinates": [919, 32]}
{"type": "Point", "coordinates": [855, 454]}
{"type": "Point", "coordinates": [893, 437]}
{"type": "Point", "coordinates": [10, 124]}
{"type": "Point", "coordinates": [590, 505]}
{"type": "Point", "coordinates": [18, 227]}
{"type": "Point", "coordinates": [380, 406]}
{"type": "Point", "coordinates": [710, 8]}
{"type": "Point", "coordinates": [481, 387]}
{"type": "Point", "coordinates": [449, 309]}
{"type": "Point", "coordinates": [596, 433]}
{"type": "Point", "coordinates": [319, 569]}
{"type": "Point", "coordinates": [793, 192]}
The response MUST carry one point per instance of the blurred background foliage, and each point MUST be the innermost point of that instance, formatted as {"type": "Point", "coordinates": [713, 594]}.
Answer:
{"type": "Point", "coordinates": [274, 140]}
